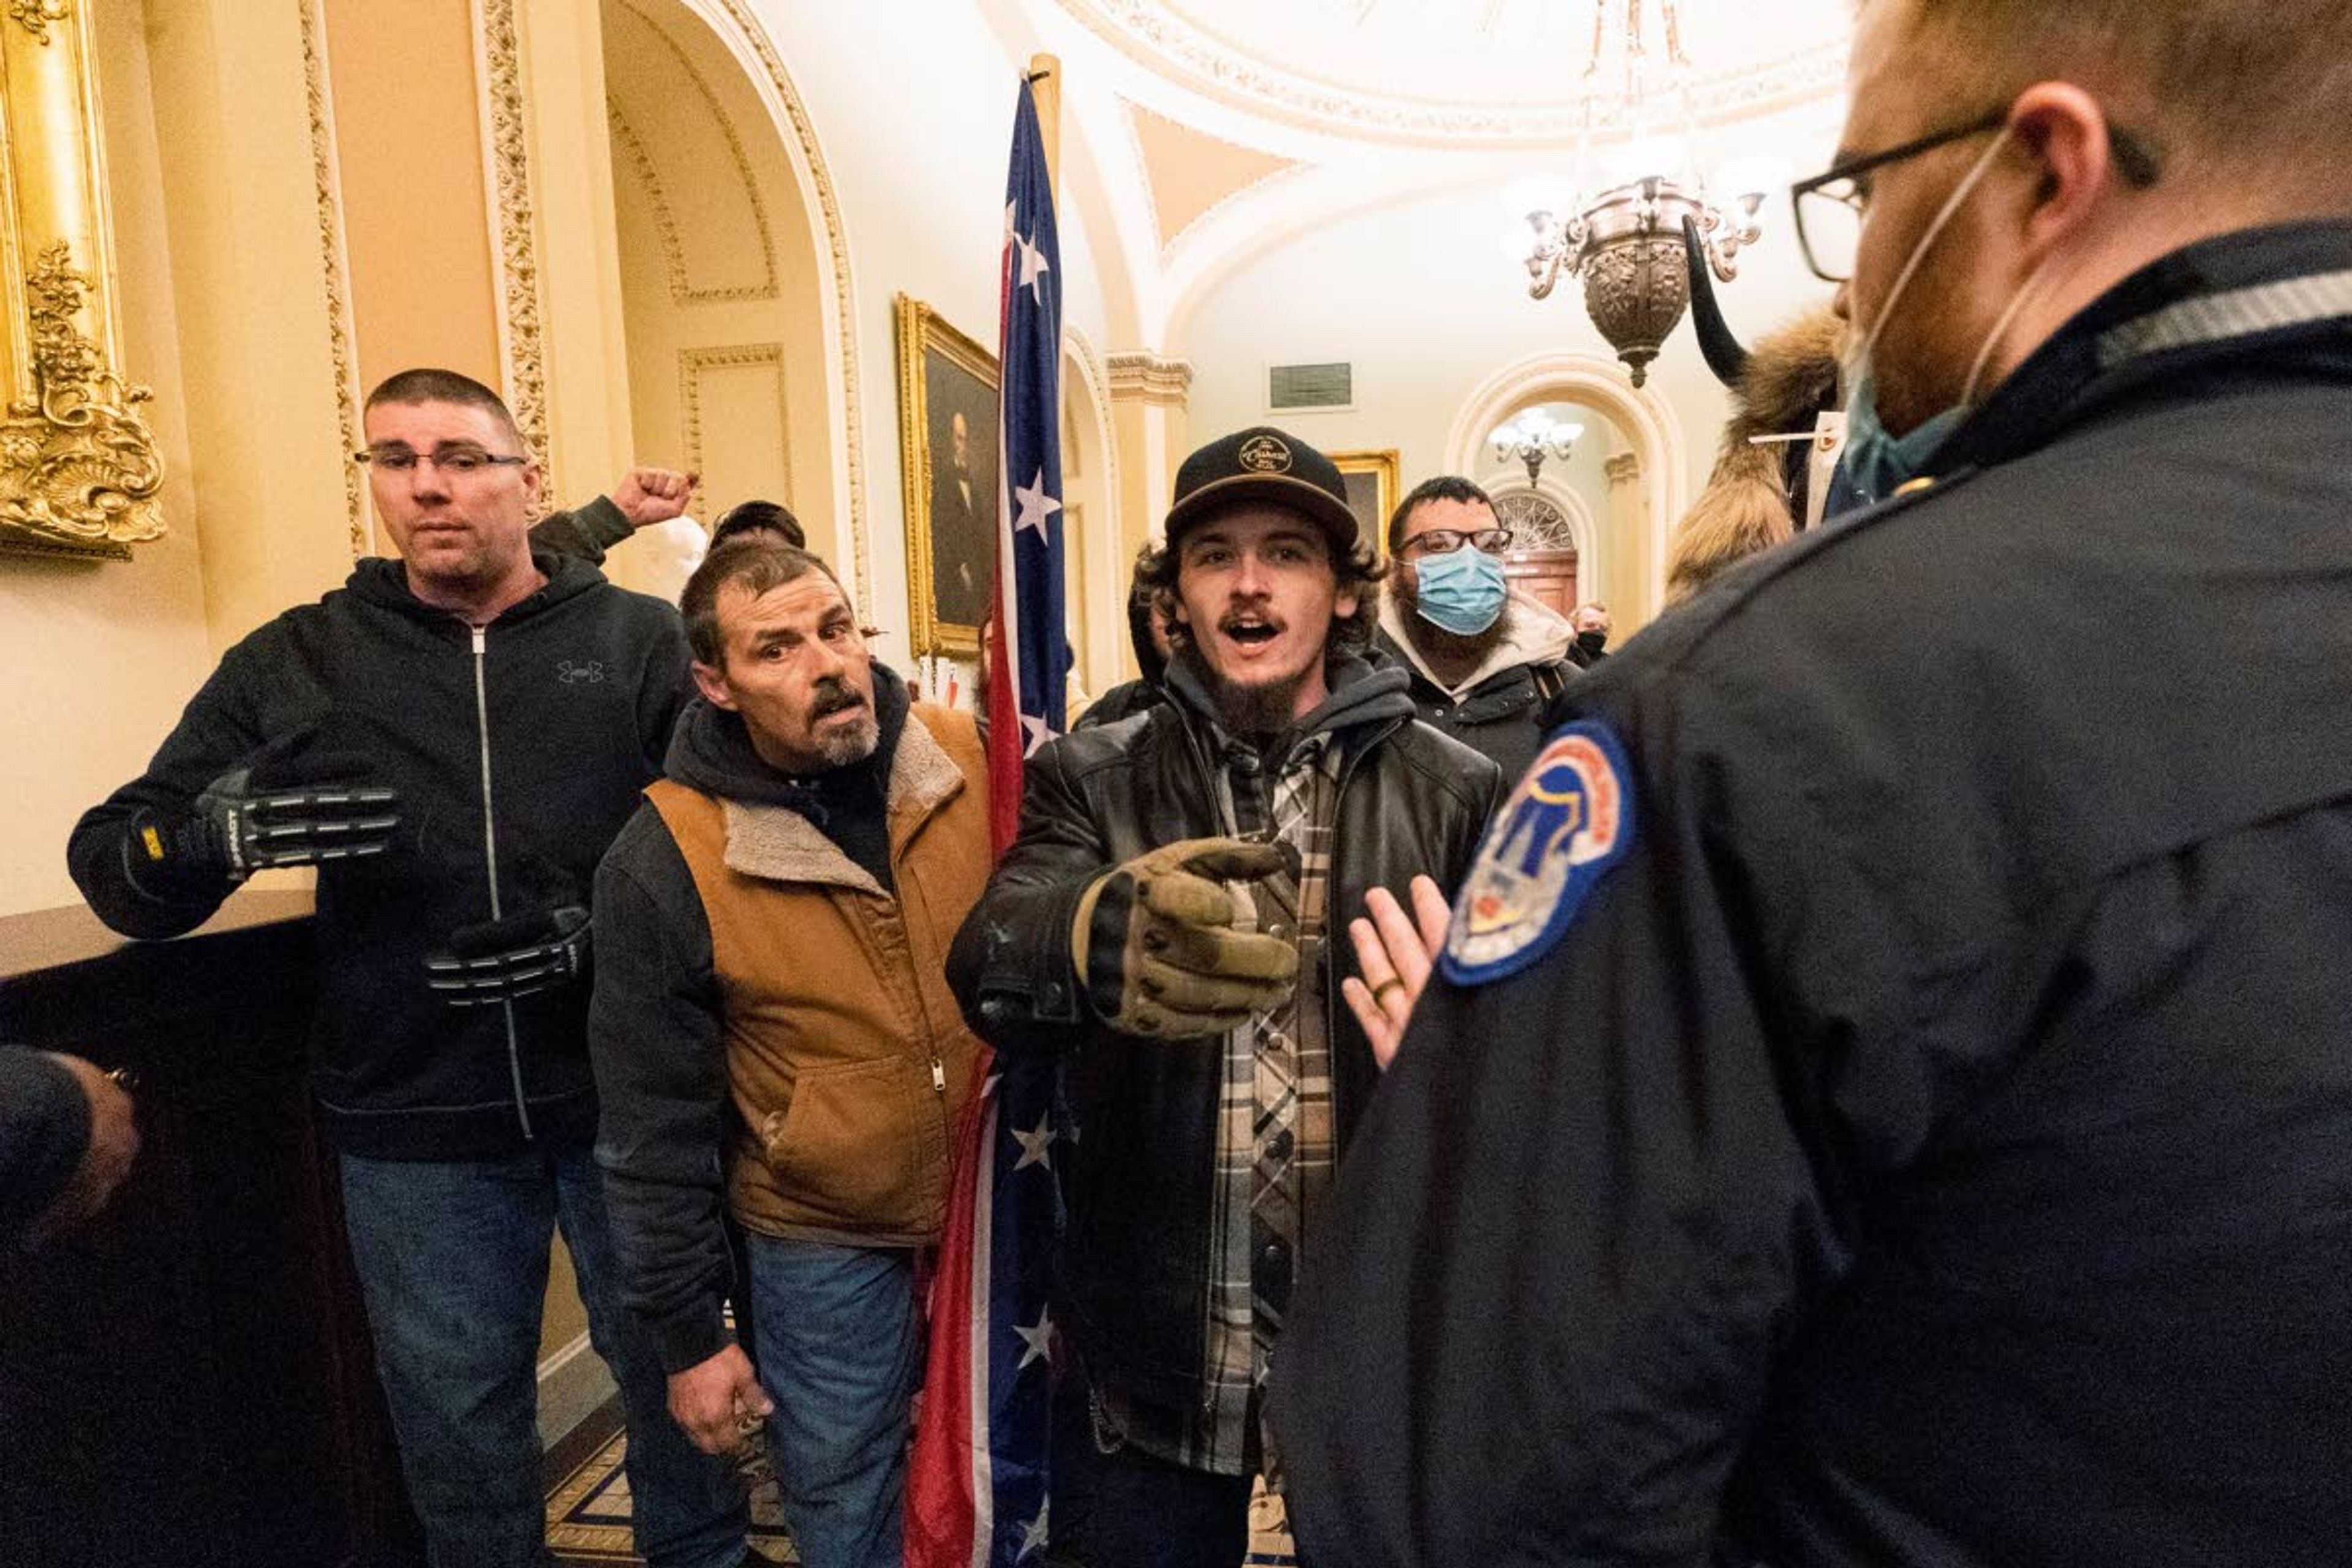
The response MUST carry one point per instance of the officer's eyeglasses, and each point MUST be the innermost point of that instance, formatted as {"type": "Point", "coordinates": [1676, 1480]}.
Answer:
{"type": "Point", "coordinates": [1447, 541]}
{"type": "Point", "coordinates": [451, 457]}
{"type": "Point", "coordinates": [1831, 207]}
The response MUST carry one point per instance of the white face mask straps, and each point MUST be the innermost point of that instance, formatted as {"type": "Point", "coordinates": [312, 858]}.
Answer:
{"type": "Point", "coordinates": [1960, 193]}
{"type": "Point", "coordinates": [2001, 329]}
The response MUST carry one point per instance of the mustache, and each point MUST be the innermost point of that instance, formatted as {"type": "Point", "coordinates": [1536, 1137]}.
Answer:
{"type": "Point", "coordinates": [835, 695]}
{"type": "Point", "coordinates": [1234, 618]}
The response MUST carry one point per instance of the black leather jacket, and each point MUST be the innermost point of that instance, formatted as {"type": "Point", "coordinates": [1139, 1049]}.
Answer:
{"type": "Point", "coordinates": [1137, 1180]}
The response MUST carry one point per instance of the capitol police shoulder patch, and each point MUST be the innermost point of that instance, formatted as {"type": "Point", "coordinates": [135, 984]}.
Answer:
{"type": "Point", "coordinates": [1570, 819]}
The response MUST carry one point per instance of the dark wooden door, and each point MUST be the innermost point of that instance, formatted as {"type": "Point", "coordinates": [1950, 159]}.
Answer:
{"type": "Point", "coordinates": [1549, 575]}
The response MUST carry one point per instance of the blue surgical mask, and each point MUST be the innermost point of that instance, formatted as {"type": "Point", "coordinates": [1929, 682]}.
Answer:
{"type": "Point", "coordinates": [1461, 591]}
{"type": "Point", "coordinates": [1875, 464]}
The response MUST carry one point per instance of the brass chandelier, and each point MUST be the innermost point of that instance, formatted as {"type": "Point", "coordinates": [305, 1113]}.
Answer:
{"type": "Point", "coordinates": [1627, 241]}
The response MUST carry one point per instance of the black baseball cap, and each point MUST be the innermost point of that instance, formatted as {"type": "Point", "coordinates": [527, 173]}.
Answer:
{"type": "Point", "coordinates": [1263, 464]}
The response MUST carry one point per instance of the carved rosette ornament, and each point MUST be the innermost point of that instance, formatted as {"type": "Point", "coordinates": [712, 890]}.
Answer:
{"type": "Point", "coordinates": [35, 16]}
{"type": "Point", "coordinates": [79, 468]}
{"type": "Point", "coordinates": [1635, 290]}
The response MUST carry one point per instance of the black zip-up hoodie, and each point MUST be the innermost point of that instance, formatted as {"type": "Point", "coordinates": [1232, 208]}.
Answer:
{"type": "Point", "coordinates": [518, 751]}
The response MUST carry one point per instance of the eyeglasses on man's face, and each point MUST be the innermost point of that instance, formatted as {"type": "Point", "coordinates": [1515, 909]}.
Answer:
{"type": "Point", "coordinates": [450, 457]}
{"type": "Point", "coordinates": [1831, 207]}
{"type": "Point", "coordinates": [1447, 541]}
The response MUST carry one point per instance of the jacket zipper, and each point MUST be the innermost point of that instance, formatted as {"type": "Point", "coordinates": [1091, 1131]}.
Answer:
{"type": "Point", "coordinates": [490, 856]}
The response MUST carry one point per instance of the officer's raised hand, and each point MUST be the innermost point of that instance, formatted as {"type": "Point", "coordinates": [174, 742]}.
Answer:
{"type": "Point", "coordinates": [292, 803]}
{"type": "Point", "coordinates": [1393, 956]}
{"type": "Point", "coordinates": [1155, 943]}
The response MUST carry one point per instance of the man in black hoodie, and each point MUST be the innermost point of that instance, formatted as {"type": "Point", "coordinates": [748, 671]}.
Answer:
{"type": "Point", "coordinates": [453, 737]}
{"type": "Point", "coordinates": [1160, 926]}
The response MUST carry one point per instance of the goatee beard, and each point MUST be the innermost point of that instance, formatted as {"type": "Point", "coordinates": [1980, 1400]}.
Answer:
{"type": "Point", "coordinates": [1254, 713]}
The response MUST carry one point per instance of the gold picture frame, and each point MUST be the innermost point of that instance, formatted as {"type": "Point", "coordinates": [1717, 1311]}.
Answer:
{"type": "Point", "coordinates": [79, 471]}
{"type": "Point", "coordinates": [1371, 503]}
{"type": "Point", "coordinates": [950, 494]}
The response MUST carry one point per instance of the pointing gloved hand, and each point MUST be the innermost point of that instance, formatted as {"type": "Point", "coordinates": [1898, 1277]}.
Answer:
{"type": "Point", "coordinates": [1155, 944]}
{"type": "Point", "coordinates": [292, 803]}
{"type": "Point", "coordinates": [498, 961]}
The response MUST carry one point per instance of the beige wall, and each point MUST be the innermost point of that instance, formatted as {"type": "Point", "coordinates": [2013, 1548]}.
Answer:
{"type": "Point", "coordinates": [416, 211]}
{"type": "Point", "coordinates": [719, 265]}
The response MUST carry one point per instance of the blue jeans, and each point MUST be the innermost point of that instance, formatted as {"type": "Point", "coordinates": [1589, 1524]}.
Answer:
{"type": "Point", "coordinates": [452, 1259]}
{"type": "Point", "coordinates": [837, 1352]}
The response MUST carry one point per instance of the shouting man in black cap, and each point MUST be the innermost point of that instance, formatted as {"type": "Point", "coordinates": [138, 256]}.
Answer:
{"type": "Point", "coordinates": [1161, 924]}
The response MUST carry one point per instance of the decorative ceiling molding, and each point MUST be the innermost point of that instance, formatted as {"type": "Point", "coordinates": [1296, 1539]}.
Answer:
{"type": "Point", "coordinates": [1138, 375]}
{"type": "Point", "coordinates": [1179, 50]}
{"type": "Point", "coordinates": [1190, 173]}
{"type": "Point", "coordinates": [681, 289]}
{"type": "Point", "coordinates": [325, 166]}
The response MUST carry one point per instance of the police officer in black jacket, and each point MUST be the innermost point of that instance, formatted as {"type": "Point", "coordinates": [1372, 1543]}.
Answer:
{"type": "Point", "coordinates": [1889, 1096]}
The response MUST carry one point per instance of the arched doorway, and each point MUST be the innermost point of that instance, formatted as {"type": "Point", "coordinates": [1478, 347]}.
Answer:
{"type": "Point", "coordinates": [730, 294]}
{"type": "Point", "coordinates": [1633, 441]}
{"type": "Point", "coordinates": [1551, 533]}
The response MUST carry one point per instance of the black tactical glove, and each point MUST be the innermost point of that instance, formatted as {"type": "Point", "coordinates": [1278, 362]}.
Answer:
{"type": "Point", "coordinates": [1154, 942]}
{"type": "Point", "coordinates": [498, 961]}
{"type": "Point", "coordinates": [290, 804]}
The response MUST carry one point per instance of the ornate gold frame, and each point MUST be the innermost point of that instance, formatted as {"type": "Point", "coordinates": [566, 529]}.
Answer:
{"type": "Point", "coordinates": [80, 473]}
{"type": "Point", "coordinates": [1384, 467]}
{"type": "Point", "coordinates": [921, 328]}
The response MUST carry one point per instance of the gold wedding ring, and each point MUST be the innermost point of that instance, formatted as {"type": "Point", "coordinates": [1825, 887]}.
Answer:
{"type": "Point", "coordinates": [1384, 988]}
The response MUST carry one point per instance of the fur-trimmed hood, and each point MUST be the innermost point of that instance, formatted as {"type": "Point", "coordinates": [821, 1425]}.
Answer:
{"type": "Point", "coordinates": [1790, 378]}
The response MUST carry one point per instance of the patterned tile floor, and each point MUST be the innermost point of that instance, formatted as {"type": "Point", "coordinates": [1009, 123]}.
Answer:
{"type": "Point", "coordinates": [588, 1518]}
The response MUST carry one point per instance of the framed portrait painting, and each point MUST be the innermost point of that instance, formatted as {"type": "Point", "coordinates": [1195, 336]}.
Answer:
{"type": "Point", "coordinates": [1371, 480]}
{"type": "Point", "coordinates": [947, 450]}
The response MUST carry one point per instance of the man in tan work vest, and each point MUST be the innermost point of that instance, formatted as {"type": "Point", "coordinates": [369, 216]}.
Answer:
{"type": "Point", "coordinates": [772, 1031]}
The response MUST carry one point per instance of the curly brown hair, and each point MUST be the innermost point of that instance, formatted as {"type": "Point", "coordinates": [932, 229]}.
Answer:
{"type": "Point", "coordinates": [1359, 571]}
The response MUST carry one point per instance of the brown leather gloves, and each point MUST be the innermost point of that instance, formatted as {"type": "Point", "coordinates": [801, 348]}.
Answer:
{"type": "Point", "coordinates": [1155, 944]}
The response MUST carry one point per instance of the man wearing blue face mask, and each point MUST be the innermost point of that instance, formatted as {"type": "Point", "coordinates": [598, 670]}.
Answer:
{"type": "Point", "coordinates": [1898, 1035]}
{"type": "Point", "coordinates": [1485, 661]}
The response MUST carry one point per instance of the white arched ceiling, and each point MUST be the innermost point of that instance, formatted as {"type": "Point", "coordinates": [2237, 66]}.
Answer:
{"type": "Point", "coordinates": [1377, 105]}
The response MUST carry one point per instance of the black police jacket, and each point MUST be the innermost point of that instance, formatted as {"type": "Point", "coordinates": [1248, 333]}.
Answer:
{"type": "Point", "coordinates": [1138, 1177]}
{"type": "Point", "coordinates": [518, 751]}
{"type": "Point", "coordinates": [1931, 1142]}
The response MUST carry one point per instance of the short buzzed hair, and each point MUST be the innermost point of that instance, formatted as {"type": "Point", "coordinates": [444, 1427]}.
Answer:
{"type": "Point", "coordinates": [427, 384]}
{"type": "Point", "coordinates": [1444, 487]}
{"type": "Point", "coordinates": [760, 565]}
{"type": "Point", "coordinates": [2219, 84]}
